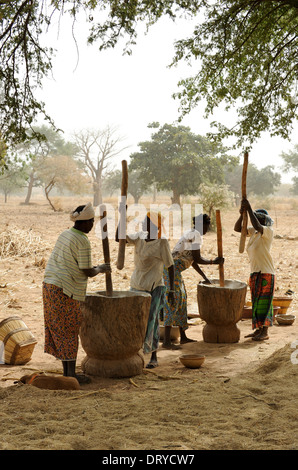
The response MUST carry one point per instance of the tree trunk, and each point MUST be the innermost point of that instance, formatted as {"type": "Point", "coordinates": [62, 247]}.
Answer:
{"type": "Point", "coordinates": [47, 190]}
{"type": "Point", "coordinates": [176, 196]}
{"type": "Point", "coordinates": [97, 195]}
{"type": "Point", "coordinates": [154, 192]}
{"type": "Point", "coordinates": [30, 187]}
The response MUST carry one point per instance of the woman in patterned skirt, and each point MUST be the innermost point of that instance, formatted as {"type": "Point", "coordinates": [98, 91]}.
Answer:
{"type": "Point", "coordinates": [64, 288]}
{"type": "Point", "coordinates": [262, 274]}
{"type": "Point", "coordinates": [186, 253]}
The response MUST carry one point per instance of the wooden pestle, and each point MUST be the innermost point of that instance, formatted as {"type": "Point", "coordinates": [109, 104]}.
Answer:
{"type": "Point", "coordinates": [106, 248]}
{"type": "Point", "coordinates": [219, 248]}
{"type": "Point", "coordinates": [244, 215]}
{"type": "Point", "coordinates": [122, 241]}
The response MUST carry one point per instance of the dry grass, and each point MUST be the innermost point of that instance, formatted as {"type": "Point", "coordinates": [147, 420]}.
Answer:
{"type": "Point", "coordinates": [20, 243]}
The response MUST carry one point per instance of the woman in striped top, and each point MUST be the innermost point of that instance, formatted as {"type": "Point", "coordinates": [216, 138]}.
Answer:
{"type": "Point", "coordinates": [64, 288]}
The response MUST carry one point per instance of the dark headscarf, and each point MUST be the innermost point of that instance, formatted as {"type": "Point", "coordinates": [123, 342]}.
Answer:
{"type": "Point", "coordinates": [263, 217]}
{"type": "Point", "coordinates": [199, 220]}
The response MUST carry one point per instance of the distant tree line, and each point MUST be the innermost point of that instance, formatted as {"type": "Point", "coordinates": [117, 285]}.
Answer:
{"type": "Point", "coordinates": [178, 161]}
{"type": "Point", "coordinates": [175, 160]}
{"type": "Point", "coordinates": [77, 166]}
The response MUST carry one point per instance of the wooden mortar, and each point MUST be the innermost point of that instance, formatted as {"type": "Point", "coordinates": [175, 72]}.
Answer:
{"type": "Point", "coordinates": [112, 333]}
{"type": "Point", "coordinates": [221, 308]}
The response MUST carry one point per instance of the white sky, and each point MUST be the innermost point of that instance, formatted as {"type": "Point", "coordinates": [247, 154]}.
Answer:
{"type": "Point", "coordinates": [129, 92]}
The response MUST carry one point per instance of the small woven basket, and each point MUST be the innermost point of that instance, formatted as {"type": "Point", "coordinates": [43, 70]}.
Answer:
{"type": "Point", "coordinates": [18, 341]}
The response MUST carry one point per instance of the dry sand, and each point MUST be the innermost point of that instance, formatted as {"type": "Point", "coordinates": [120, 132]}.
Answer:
{"type": "Point", "coordinates": [243, 397]}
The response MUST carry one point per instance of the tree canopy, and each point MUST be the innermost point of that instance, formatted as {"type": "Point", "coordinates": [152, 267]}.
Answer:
{"type": "Point", "coordinates": [178, 160]}
{"type": "Point", "coordinates": [291, 159]}
{"type": "Point", "coordinates": [137, 186]}
{"type": "Point", "coordinates": [243, 53]}
{"type": "Point", "coordinates": [259, 182]}
{"type": "Point", "coordinates": [247, 54]}
{"type": "Point", "coordinates": [36, 153]}
{"type": "Point", "coordinates": [96, 149]}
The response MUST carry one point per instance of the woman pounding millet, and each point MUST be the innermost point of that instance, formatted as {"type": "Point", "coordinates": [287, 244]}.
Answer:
{"type": "Point", "coordinates": [64, 288]}
{"type": "Point", "coordinates": [151, 253]}
{"type": "Point", "coordinates": [186, 253]}
{"type": "Point", "coordinates": [262, 277]}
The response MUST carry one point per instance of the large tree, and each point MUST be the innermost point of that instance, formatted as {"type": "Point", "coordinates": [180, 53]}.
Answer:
{"type": "Point", "coordinates": [137, 187]}
{"type": "Point", "coordinates": [243, 53]}
{"type": "Point", "coordinates": [12, 179]}
{"type": "Point", "coordinates": [178, 160]}
{"type": "Point", "coordinates": [63, 173]}
{"type": "Point", "coordinates": [259, 182]}
{"type": "Point", "coordinates": [96, 149]}
{"type": "Point", "coordinates": [35, 153]}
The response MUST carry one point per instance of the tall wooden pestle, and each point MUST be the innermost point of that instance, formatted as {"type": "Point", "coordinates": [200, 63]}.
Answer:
{"type": "Point", "coordinates": [106, 248]}
{"type": "Point", "coordinates": [244, 215]}
{"type": "Point", "coordinates": [122, 225]}
{"type": "Point", "coordinates": [219, 248]}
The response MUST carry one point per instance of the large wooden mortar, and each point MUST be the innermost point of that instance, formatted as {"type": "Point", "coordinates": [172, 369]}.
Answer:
{"type": "Point", "coordinates": [112, 333]}
{"type": "Point", "coordinates": [221, 308]}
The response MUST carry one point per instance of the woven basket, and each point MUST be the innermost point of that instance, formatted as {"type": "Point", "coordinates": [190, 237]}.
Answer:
{"type": "Point", "coordinates": [18, 341]}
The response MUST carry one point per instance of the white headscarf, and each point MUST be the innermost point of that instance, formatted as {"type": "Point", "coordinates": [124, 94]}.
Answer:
{"type": "Point", "coordinates": [86, 214]}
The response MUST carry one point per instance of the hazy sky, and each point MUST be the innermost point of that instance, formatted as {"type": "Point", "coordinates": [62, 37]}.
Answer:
{"type": "Point", "coordinates": [95, 89]}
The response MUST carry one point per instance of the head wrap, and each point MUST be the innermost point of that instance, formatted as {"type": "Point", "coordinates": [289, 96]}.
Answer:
{"type": "Point", "coordinates": [158, 220]}
{"type": "Point", "coordinates": [86, 213]}
{"type": "Point", "coordinates": [263, 217]}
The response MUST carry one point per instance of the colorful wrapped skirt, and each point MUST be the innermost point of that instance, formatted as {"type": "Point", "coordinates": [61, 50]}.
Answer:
{"type": "Point", "coordinates": [176, 315]}
{"type": "Point", "coordinates": [62, 320]}
{"type": "Point", "coordinates": [262, 290]}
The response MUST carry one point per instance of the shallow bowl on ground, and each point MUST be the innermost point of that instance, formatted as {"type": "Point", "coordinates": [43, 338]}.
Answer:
{"type": "Point", "coordinates": [285, 319]}
{"type": "Point", "coordinates": [192, 361]}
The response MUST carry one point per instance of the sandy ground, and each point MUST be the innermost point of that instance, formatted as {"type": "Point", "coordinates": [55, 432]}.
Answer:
{"type": "Point", "coordinates": [243, 397]}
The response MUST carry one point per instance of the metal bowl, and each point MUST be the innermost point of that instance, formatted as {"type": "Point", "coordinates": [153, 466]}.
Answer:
{"type": "Point", "coordinates": [285, 319]}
